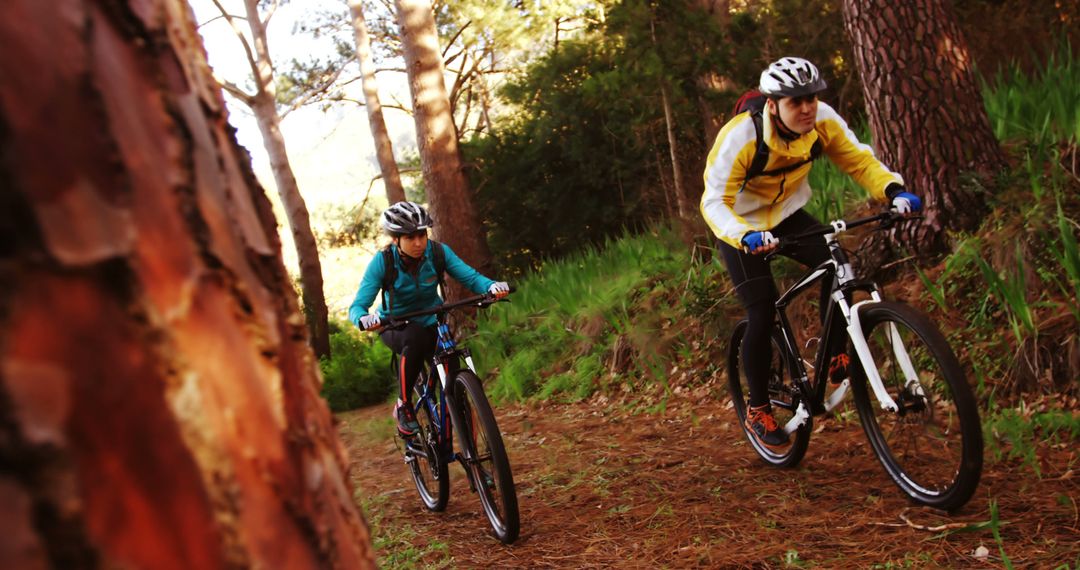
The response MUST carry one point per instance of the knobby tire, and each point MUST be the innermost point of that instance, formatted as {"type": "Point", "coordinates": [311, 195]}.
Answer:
{"type": "Point", "coordinates": [484, 456]}
{"type": "Point", "coordinates": [932, 447]}
{"type": "Point", "coordinates": [782, 393]}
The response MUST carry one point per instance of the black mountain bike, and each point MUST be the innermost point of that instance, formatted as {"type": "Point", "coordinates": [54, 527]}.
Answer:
{"type": "Point", "coordinates": [449, 398]}
{"type": "Point", "coordinates": [925, 427]}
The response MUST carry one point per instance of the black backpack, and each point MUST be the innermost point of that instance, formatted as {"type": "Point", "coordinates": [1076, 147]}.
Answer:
{"type": "Point", "coordinates": [438, 258]}
{"type": "Point", "coordinates": [754, 102]}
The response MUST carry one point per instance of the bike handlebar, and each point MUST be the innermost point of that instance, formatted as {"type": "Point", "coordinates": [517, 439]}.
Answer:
{"type": "Point", "coordinates": [888, 218]}
{"type": "Point", "coordinates": [484, 300]}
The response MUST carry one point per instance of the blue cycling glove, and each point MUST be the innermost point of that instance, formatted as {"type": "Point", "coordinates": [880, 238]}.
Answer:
{"type": "Point", "coordinates": [755, 240]}
{"type": "Point", "coordinates": [901, 200]}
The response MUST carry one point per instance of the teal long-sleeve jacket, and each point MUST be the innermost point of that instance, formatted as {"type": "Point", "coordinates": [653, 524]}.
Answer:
{"type": "Point", "coordinates": [413, 292]}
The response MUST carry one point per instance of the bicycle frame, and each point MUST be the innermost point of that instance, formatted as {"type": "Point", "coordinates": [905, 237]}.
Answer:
{"type": "Point", "coordinates": [440, 400]}
{"type": "Point", "coordinates": [838, 270]}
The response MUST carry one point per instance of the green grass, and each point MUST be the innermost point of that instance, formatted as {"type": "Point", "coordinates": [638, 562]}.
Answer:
{"type": "Point", "coordinates": [358, 373]}
{"type": "Point", "coordinates": [1040, 109]}
{"type": "Point", "coordinates": [401, 546]}
{"type": "Point", "coordinates": [1016, 432]}
{"type": "Point", "coordinates": [834, 191]}
{"type": "Point", "coordinates": [557, 335]}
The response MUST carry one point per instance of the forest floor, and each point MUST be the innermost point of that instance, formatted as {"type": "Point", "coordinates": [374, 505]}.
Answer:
{"type": "Point", "coordinates": [604, 485]}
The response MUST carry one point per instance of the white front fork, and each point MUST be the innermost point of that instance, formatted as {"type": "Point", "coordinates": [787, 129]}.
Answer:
{"type": "Point", "coordinates": [442, 371]}
{"type": "Point", "coordinates": [858, 341]}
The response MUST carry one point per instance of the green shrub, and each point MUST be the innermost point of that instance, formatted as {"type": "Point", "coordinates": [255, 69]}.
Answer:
{"type": "Point", "coordinates": [358, 373]}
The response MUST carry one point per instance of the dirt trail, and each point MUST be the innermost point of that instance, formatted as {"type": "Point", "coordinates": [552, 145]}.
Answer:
{"type": "Point", "coordinates": [602, 488]}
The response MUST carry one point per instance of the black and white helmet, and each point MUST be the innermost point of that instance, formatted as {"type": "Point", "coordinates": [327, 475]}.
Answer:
{"type": "Point", "coordinates": [406, 218]}
{"type": "Point", "coordinates": [791, 77]}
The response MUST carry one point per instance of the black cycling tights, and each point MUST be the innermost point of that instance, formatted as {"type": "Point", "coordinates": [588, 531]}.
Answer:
{"type": "Point", "coordinates": [756, 349]}
{"type": "Point", "coordinates": [414, 345]}
{"type": "Point", "coordinates": [756, 289]}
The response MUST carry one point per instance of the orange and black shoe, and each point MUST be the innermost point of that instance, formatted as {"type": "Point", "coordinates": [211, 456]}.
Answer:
{"type": "Point", "coordinates": [838, 368]}
{"type": "Point", "coordinates": [761, 424]}
{"type": "Point", "coordinates": [407, 425]}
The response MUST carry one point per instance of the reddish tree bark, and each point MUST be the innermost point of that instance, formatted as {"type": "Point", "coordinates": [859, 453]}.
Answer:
{"type": "Point", "coordinates": [925, 109]}
{"type": "Point", "coordinates": [448, 189]}
{"type": "Point", "coordinates": [159, 405]}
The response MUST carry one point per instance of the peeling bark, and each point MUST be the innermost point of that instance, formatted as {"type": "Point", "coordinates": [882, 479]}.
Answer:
{"type": "Point", "coordinates": [159, 405]}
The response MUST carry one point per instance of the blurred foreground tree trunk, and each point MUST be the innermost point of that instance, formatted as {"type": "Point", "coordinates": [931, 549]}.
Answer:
{"type": "Point", "coordinates": [159, 405]}
{"type": "Point", "coordinates": [448, 189]}
{"type": "Point", "coordinates": [263, 104]}
{"type": "Point", "coordinates": [926, 112]}
{"type": "Point", "coordinates": [384, 150]}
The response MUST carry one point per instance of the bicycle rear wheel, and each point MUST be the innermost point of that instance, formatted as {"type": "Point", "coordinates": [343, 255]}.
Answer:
{"type": "Point", "coordinates": [484, 456]}
{"type": "Point", "coordinates": [427, 462]}
{"type": "Point", "coordinates": [783, 394]}
{"type": "Point", "coordinates": [932, 445]}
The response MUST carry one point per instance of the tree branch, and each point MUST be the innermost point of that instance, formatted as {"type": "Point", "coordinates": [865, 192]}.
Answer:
{"type": "Point", "coordinates": [243, 41]}
{"type": "Point", "coordinates": [234, 90]}
{"type": "Point", "coordinates": [384, 105]}
{"type": "Point", "coordinates": [317, 92]}
{"type": "Point", "coordinates": [216, 18]}
{"type": "Point", "coordinates": [456, 36]}
{"type": "Point", "coordinates": [270, 14]}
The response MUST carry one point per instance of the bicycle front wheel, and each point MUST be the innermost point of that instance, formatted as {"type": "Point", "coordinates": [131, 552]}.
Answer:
{"type": "Point", "coordinates": [484, 456]}
{"type": "Point", "coordinates": [427, 462]}
{"type": "Point", "coordinates": [931, 446]}
{"type": "Point", "coordinates": [783, 396]}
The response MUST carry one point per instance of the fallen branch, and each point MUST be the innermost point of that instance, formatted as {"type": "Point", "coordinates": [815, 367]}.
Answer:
{"type": "Point", "coordinates": [908, 523]}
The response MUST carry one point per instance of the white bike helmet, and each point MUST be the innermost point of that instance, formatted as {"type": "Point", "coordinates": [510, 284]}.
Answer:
{"type": "Point", "coordinates": [406, 218]}
{"type": "Point", "coordinates": [791, 77]}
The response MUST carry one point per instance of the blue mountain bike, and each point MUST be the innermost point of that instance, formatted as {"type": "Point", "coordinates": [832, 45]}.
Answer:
{"type": "Point", "coordinates": [450, 398]}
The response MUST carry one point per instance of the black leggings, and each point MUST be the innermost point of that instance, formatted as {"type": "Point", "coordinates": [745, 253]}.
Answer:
{"type": "Point", "coordinates": [414, 345]}
{"type": "Point", "coordinates": [756, 288]}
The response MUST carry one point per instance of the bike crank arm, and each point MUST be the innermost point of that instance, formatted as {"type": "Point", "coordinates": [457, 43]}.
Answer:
{"type": "Point", "coordinates": [837, 396]}
{"type": "Point", "coordinates": [796, 422]}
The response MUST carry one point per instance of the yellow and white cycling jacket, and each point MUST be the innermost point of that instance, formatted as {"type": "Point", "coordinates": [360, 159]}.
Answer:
{"type": "Point", "coordinates": [769, 199]}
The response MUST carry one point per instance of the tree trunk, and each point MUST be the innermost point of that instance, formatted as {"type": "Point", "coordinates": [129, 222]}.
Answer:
{"type": "Point", "coordinates": [925, 109]}
{"type": "Point", "coordinates": [383, 149]}
{"type": "Point", "coordinates": [263, 106]}
{"type": "Point", "coordinates": [159, 406]}
{"type": "Point", "coordinates": [307, 250]}
{"type": "Point", "coordinates": [448, 189]}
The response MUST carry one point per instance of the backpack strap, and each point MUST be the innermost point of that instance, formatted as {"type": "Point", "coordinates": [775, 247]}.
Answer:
{"type": "Point", "coordinates": [389, 277]}
{"type": "Point", "coordinates": [761, 151]}
{"type": "Point", "coordinates": [815, 153]}
{"type": "Point", "coordinates": [438, 259]}
{"type": "Point", "coordinates": [756, 107]}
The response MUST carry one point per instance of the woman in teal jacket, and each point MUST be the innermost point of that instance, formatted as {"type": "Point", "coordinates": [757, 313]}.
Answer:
{"type": "Point", "coordinates": [415, 288]}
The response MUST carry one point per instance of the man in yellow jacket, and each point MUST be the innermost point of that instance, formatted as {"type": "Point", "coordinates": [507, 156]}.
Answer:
{"type": "Point", "coordinates": [754, 193]}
